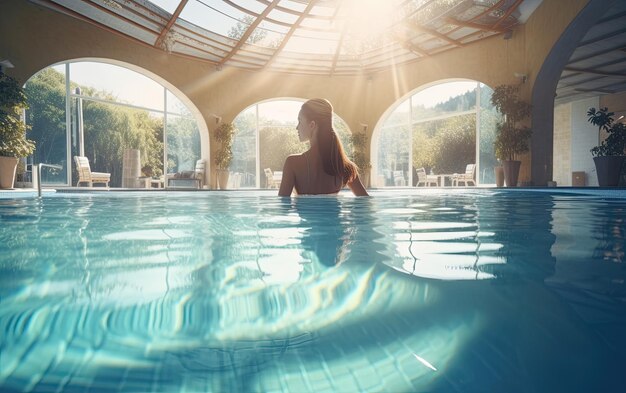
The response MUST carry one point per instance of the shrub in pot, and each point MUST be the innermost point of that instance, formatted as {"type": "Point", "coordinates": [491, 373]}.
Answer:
{"type": "Point", "coordinates": [360, 156]}
{"type": "Point", "coordinates": [608, 156]}
{"type": "Point", "coordinates": [223, 135]}
{"type": "Point", "coordinates": [511, 137]}
{"type": "Point", "coordinates": [13, 142]}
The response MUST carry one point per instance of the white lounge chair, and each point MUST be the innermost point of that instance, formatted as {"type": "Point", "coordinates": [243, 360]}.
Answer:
{"type": "Point", "coordinates": [398, 179]}
{"type": "Point", "coordinates": [270, 179]}
{"type": "Point", "coordinates": [426, 180]}
{"type": "Point", "coordinates": [85, 175]}
{"type": "Point", "coordinates": [466, 178]}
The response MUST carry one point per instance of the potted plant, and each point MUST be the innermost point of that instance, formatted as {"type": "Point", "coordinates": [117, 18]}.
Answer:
{"type": "Point", "coordinates": [511, 137]}
{"type": "Point", "coordinates": [13, 142]}
{"type": "Point", "coordinates": [608, 156]}
{"type": "Point", "coordinates": [360, 157]}
{"type": "Point", "coordinates": [224, 137]}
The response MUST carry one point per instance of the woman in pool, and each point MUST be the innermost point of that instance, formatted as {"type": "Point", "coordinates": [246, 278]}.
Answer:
{"type": "Point", "coordinates": [324, 168]}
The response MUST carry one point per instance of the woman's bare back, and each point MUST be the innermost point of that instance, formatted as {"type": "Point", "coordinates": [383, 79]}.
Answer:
{"type": "Point", "coordinates": [309, 176]}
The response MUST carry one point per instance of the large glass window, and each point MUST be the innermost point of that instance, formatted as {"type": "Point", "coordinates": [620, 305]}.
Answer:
{"type": "Point", "coordinates": [111, 112]}
{"type": "Point", "coordinates": [46, 116]}
{"type": "Point", "coordinates": [446, 125]}
{"type": "Point", "coordinates": [183, 143]}
{"type": "Point", "coordinates": [266, 135]}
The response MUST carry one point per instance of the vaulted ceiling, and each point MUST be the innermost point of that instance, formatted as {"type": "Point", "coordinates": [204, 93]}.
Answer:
{"type": "Point", "coordinates": [346, 37]}
{"type": "Point", "coordinates": [332, 37]}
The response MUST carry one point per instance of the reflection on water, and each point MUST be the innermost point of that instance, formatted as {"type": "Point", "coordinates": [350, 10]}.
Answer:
{"type": "Point", "coordinates": [250, 292]}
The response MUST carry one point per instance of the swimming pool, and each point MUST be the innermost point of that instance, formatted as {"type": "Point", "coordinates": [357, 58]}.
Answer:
{"type": "Point", "coordinates": [462, 290]}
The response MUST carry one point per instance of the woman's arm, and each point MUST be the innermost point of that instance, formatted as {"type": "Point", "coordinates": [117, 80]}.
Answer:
{"type": "Point", "coordinates": [288, 180]}
{"type": "Point", "coordinates": [357, 187]}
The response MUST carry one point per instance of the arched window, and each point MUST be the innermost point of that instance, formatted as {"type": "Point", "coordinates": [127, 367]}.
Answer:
{"type": "Point", "coordinates": [448, 126]}
{"type": "Point", "coordinates": [266, 135]}
{"type": "Point", "coordinates": [100, 111]}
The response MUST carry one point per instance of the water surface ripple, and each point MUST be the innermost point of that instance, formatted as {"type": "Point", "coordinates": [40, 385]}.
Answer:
{"type": "Point", "coordinates": [458, 290]}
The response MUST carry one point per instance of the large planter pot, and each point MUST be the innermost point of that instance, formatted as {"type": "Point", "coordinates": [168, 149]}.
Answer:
{"type": "Point", "coordinates": [511, 172]}
{"type": "Point", "coordinates": [499, 171]}
{"type": "Point", "coordinates": [8, 165]}
{"type": "Point", "coordinates": [608, 170]}
{"type": "Point", "coordinates": [222, 178]}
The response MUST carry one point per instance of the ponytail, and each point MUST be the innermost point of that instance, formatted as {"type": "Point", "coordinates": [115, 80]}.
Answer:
{"type": "Point", "coordinates": [334, 158]}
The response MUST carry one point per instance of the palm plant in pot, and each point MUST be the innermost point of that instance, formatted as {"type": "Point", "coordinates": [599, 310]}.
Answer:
{"type": "Point", "coordinates": [360, 157]}
{"type": "Point", "coordinates": [223, 135]}
{"type": "Point", "coordinates": [511, 137]}
{"type": "Point", "coordinates": [608, 156]}
{"type": "Point", "coordinates": [13, 142]}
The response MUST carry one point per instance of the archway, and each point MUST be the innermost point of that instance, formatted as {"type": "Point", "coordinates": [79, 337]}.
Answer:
{"type": "Point", "coordinates": [99, 108]}
{"type": "Point", "coordinates": [266, 135]}
{"type": "Point", "coordinates": [442, 127]}
{"type": "Point", "coordinates": [544, 89]}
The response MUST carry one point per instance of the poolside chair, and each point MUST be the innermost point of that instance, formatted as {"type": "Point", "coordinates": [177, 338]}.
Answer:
{"type": "Point", "coordinates": [467, 177]}
{"type": "Point", "coordinates": [85, 175]}
{"type": "Point", "coordinates": [426, 180]}
{"type": "Point", "coordinates": [183, 177]}
{"type": "Point", "coordinates": [235, 180]}
{"type": "Point", "coordinates": [398, 179]}
{"type": "Point", "coordinates": [270, 182]}
{"type": "Point", "coordinates": [278, 178]}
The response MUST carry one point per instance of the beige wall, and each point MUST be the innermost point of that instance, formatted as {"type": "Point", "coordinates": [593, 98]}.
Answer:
{"type": "Point", "coordinates": [34, 37]}
{"type": "Point", "coordinates": [562, 145]}
{"type": "Point", "coordinates": [615, 102]}
{"type": "Point", "coordinates": [574, 136]}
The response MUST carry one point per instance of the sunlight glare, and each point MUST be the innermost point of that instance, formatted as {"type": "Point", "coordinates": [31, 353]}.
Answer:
{"type": "Point", "coordinates": [425, 362]}
{"type": "Point", "coordinates": [366, 19]}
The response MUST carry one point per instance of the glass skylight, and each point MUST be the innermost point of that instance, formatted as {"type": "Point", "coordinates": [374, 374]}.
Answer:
{"type": "Point", "coordinates": [371, 31]}
{"type": "Point", "coordinates": [202, 14]}
{"type": "Point", "coordinates": [167, 5]}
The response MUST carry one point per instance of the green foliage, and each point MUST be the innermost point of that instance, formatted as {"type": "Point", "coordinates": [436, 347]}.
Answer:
{"type": "Point", "coordinates": [276, 143]}
{"type": "Point", "coordinates": [393, 149]}
{"type": "Point", "coordinates": [446, 145]}
{"type": "Point", "coordinates": [460, 103]}
{"type": "Point", "coordinates": [108, 129]}
{"type": "Point", "coordinates": [183, 144]}
{"type": "Point", "coordinates": [615, 143]}
{"type": "Point", "coordinates": [425, 146]}
{"type": "Point", "coordinates": [489, 118]}
{"type": "Point", "coordinates": [511, 138]}
{"type": "Point", "coordinates": [239, 29]}
{"type": "Point", "coordinates": [360, 155]}
{"type": "Point", "coordinates": [13, 142]}
{"type": "Point", "coordinates": [224, 137]}
{"type": "Point", "coordinates": [244, 148]}
{"type": "Point", "coordinates": [46, 115]}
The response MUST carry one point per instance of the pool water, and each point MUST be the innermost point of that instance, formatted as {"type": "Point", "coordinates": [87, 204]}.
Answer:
{"type": "Point", "coordinates": [435, 290]}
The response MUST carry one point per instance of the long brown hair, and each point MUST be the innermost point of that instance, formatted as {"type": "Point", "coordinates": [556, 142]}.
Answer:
{"type": "Point", "coordinates": [334, 158]}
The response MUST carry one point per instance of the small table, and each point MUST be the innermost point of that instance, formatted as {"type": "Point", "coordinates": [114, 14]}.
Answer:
{"type": "Point", "coordinates": [149, 182]}
{"type": "Point", "coordinates": [443, 177]}
{"type": "Point", "coordinates": [156, 183]}
{"type": "Point", "coordinates": [144, 181]}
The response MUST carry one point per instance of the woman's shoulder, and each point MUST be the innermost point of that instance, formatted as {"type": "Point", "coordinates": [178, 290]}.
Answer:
{"type": "Point", "coordinates": [296, 157]}
{"type": "Point", "coordinates": [294, 160]}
